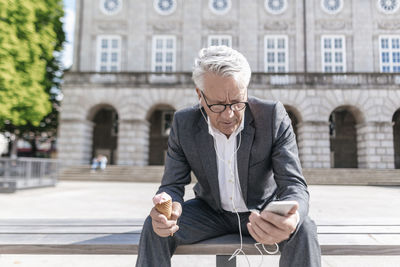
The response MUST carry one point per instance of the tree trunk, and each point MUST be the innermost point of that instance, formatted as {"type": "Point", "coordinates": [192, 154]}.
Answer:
{"type": "Point", "coordinates": [33, 147]}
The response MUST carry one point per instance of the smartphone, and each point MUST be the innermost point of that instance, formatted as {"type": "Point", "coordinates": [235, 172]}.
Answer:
{"type": "Point", "coordinates": [281, 207]}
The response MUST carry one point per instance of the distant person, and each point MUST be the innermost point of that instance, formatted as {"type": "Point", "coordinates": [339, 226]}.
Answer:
{"type": "Point", "coordinates": [99, 162]}
{"type": "Point", "coordinates": [103, 162]}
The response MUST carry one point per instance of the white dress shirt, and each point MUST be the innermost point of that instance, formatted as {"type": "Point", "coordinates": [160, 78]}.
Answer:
{"type": "Point", "coordinates": [228, 177]}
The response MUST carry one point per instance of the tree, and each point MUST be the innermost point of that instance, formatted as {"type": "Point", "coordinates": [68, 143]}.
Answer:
{"type": "Point", "coordinates": [31, 37]}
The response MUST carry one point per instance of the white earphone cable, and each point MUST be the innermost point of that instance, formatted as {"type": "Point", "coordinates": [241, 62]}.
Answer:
{"type": "Point", "coordinates": [239, 250]}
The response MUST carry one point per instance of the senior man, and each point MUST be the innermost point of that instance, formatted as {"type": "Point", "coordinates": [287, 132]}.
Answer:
{"type": "Point", "coordinates": [243, 152]}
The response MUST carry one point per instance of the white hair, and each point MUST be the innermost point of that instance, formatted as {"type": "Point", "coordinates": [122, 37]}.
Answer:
{"type": "Point", "coordinates": [223, 61]}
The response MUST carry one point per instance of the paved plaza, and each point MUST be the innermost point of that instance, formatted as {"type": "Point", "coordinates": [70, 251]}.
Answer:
{"type": "Point", "coordinates": [329, 204]}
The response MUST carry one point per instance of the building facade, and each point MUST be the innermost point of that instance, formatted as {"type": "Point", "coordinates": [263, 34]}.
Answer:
{"type": "Point", "coordinates": [334, 64]}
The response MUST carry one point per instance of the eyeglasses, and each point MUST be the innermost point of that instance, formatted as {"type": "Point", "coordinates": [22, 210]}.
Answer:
{"type": "Point", "coordinates": [219, 108]}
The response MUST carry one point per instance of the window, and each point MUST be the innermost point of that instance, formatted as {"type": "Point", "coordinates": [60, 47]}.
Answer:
{"type": "Point", "coordinates": [166, 122]}
{"type": "Point", "coordinates": [332, 6]}
{"type": "Point", "coordinates": [389, 53]}
{"type": "Point", "coordinates": [220, 40]}
{"type": "Point", "coordinates": [275, 6]}
{"type": "Point", "coordinates": [164, 7]}
{"type": "Point", "coordinates": [164, 51]}
{"type": "Point", "coordinates": [108, 53]}
{"type": "Point", "coordinates": [276, 53]}
{"type": "Point", "coordinates": [110, 7]}
{"type": "Point", "coordinates": [388, 6]}
{"type": "Point", "coordinates": [333, 51]}
{"type": "Point", "coordinates": [219, 7]}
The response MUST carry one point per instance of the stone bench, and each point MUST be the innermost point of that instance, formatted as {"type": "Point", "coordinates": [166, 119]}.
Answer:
{"type": "Point", "coordinates": [119, 236]}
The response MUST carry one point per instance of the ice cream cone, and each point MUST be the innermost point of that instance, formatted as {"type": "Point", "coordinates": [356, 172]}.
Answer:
{"type": "Point", "coordinates": [165, 208]}
{"type": "Point", "coordinates": [163, 204]}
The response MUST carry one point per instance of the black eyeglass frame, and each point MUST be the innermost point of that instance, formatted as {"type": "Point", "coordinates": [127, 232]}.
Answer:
{"type": "Point", "coordinates": [225, 105]}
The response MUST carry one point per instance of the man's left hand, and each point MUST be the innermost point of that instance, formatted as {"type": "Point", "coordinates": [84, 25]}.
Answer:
{"type": "Point", "coordinates": [269, 228]}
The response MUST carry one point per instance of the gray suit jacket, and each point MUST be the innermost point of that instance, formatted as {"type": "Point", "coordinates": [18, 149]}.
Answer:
{"type": "Point", "coordinates": [268, 163]}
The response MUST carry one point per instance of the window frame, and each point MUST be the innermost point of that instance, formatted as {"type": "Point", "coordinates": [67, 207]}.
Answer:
{"type": "Point", "coordinates": [273, 12]}
{"type": "Point", "coordinates": [164, 52]}
{"type": "Point", "coordinates": [329, 11]}
{"type": "Point", "coordinates": [218, 12]}
{"type": "Point", "coordinates": [109, 50]}
{"type": "Point", "coordinates": [390, 50]}
{"type": "Point", "coordinates": [332, 51]}
{"type": "Point", "coordinates": [276, 50]}
{"type": "Point", "coordinates": [110, 13]}
{"type": "Point", "coordinates": [384, 11]}
{"type": "Point", "coordinates": [162, 12]}
{"type": "Point", "coordinates": [219, 38]}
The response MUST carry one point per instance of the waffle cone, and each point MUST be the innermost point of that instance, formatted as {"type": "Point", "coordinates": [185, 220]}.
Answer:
{"type": "Point", "coordinates": [165, 208]}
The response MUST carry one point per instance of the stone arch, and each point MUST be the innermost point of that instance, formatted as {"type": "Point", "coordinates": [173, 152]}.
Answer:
{"type": "Point", "coordinates": [295, 117]}
{"type": "Point", "coordinates": [351, 99]}
{"type": "Point", "coordinates": [159, 117]}
{"type": "Point", "coordinates": [343, 122]}
{"type": "Point", "coordinates": [389, 105]}
{"type": "Point", "coordinates": [150, 98]}
{"type": "Point", "coordinates": [105, 119]}
{"type": "Point", "coordinates": [396, 138]}
{"type": "Point", "coordinates": [158, 106]}
{"type": "Point", "coordinates": [143, 105]}
{"type": "Point", "coordinates": [85, 103]}
{"type": "Point", "coordinates": [94, 109]}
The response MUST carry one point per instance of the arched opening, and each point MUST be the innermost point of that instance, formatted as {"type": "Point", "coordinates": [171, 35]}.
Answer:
{"type": "Point", "coordinates": [294, 116]}
{"type": "Point", "coordinates": [160, 119]}
{"type": "Point", "coordinates": [105, 132]}
{"type": "Point", "coordinates": [396, 138]}
{"type": "Point", "coordinates": [343, 137]}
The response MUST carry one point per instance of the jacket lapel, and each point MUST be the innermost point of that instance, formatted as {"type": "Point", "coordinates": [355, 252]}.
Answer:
{"type": "Point", "coordinates": [205, 146]}
{"type": "Point", "coordinates": [243, 154]}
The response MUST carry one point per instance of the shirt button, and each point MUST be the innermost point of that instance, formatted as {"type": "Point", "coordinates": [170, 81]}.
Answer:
{"type": "Point", "coordinates": [230, 198]}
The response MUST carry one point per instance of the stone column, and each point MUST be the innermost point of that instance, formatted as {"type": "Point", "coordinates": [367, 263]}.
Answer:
{"type": "Point", "coordinates": [74, 142]}
{"type": "Point", "coordinates": [133, 142]}
{"type": "Point", "coordinates": [313, 142]}
{"type": "Point", "coordinates": [375, 145]}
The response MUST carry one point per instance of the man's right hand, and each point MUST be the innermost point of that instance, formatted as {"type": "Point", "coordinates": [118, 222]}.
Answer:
{"type": "Point", "coordinates": [161, 225]}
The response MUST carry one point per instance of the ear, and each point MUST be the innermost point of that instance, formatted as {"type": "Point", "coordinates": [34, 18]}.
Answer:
{"type": "Point", "coordinates": [198, 94]}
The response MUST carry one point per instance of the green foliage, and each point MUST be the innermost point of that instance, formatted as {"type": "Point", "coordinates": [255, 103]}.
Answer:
{"type": "Point", "coordinates": [31, 34]}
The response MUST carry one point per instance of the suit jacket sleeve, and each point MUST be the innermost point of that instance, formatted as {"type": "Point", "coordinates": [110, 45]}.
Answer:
{"type": "Point", "coordinates": [286, 164]}
{"type": "Point", "coordinates": [177, 169]}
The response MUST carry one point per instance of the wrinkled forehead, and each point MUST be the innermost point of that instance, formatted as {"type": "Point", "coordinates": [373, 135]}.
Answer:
{"type": "Point", "coordinates": [240, 83]}
{"type": "Point", "coordinates": [241, 93]}
{"type": "Point", "coordinates": [236, 76]}
{"type": "Point", "coordinates": [226, 88]}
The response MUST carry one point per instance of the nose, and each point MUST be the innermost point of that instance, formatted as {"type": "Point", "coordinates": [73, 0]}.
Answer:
{"type": "Point", "coordinates": [227, 113]}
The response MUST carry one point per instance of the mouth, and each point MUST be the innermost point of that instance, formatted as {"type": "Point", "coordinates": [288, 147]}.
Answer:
{"type": "Point", "coordinates": [228, 124]}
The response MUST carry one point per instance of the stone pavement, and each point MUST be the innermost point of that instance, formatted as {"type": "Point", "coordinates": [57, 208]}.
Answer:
{"type": "Point", "coordinates": [329, 204]}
